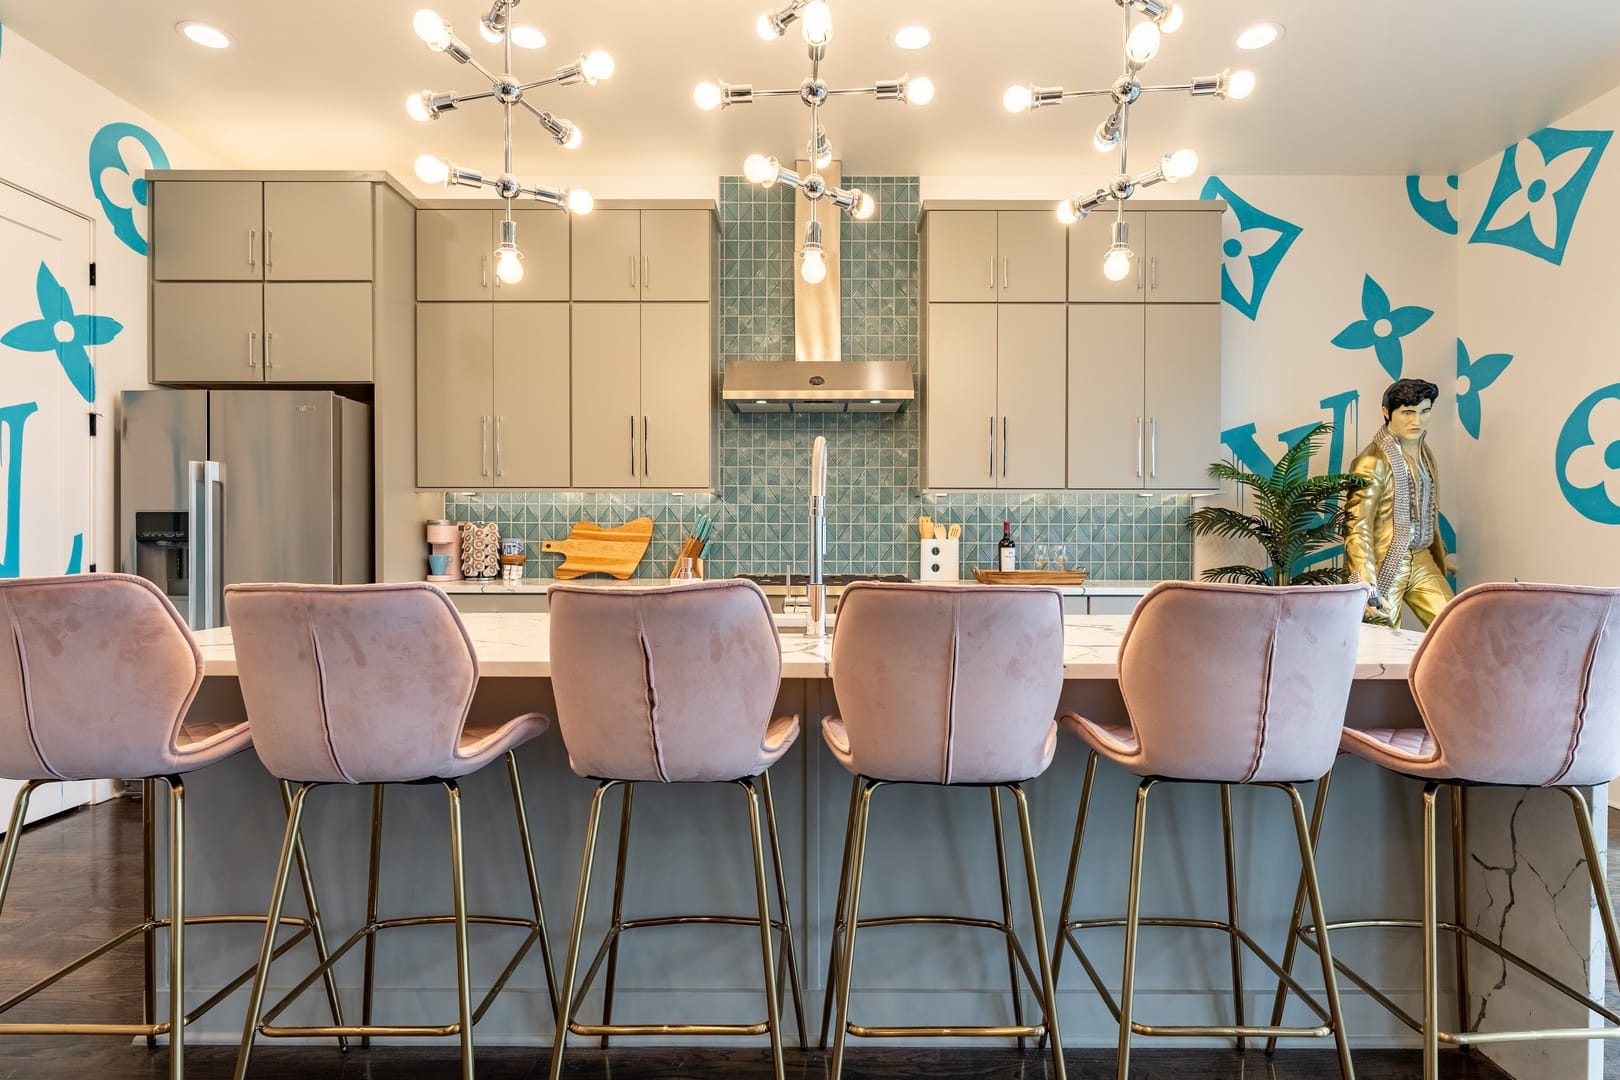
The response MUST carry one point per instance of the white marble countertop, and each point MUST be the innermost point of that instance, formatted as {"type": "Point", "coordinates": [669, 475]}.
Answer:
{"type": "Point", "coordinates": [518, 644]}
{"type": "Point", "coordinates": [539, 586]}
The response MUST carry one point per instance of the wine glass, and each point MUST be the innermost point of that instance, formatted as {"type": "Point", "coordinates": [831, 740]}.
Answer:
{"type": "Point", "coordinates": [1060, 557]}
{"type": "Point", "coordinates": [1040, 556]}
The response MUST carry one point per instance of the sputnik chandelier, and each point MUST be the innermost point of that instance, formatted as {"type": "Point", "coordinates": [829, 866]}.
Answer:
{"type": "Point", "coordinates": [1141, 45]}
{"type": "Point", "coordinates": [508, 92]}
{"type": "Point", "coordinates": [815, 19]}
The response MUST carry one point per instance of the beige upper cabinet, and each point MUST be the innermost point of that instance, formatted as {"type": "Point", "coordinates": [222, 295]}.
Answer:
{"type": "Point", "coordinates": [999, 255]}
{"type": "Point", "coordinates": [606, 396]}
{"type": "Point", "coordinates": [209, 230]}
{"type": "Point", "coordinates": [654, 255]}
{"type": "Point", "coordinates": [1183, 394]}
{"type": "Point", "coordinates": [207, 332]}
{"type": "Point", "coordinates": [530, 399]}
{"type": "Point", "coordinates": [317, 332]}
{"type": "Point", "coordinates": [1031, 373]}
{"type": "Point", "coordinates": [455, 255]}
{"type": "Point", "coordinates": [317, 231]}
{"type": "Point", "coordinates": [1178, 258]}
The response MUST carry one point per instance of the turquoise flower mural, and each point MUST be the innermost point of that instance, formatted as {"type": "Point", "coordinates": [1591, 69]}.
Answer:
{"type": "Point", "coordinates": [1538, 191]}
{"type": "Point", "coordinates": [1448, 538]}
{"type": "Point", "coordinates": [120, 154]}
{"type": "Point", "coordinates": [1587, 457]}
{"type": "Point", "coordinates": [1439, 212]}
{"type": "Point", "coordinates": [1251, 258]}
{"type": "Point", "coordinates": [1381, 328]}
{"type": "Point", "coordinates": [1472, 377]}
{"type": "Point", "coordinates": [60, 331]}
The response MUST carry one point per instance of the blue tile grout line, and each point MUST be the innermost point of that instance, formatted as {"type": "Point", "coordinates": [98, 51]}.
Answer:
{"type": "Point", "coordinates": [761, 521]}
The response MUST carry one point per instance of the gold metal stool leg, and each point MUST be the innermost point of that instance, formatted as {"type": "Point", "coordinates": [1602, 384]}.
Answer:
{"type": "Point", "coordinates": [762, 898]}
{"type": "Point", "coordinates": [852, 903]}
{"type": "Point", "coordinates": [317, 933]}
{"type": "Point", "coordinates": [1594, 864]}
{"type": "Point", "coordinates": [1058, 946]}
{"type": "Point", "coordinates": [1133, 907]}
{"type": "Point", "coordinates": [458, 884]}
{"type": "Point", "coordinates": [1048, 975]}
{"type": "Point", "coordinates": [617, 923]}
{"type": "Point", "coordinates": [537, 903]}
{"type": "Point", "coordinates": [1006, 910]}
{"type": "Point", "coordinates": [149, 907]}
{"type": "Point", "coordinates": [373, 873]}
{"type": "Point", "coordinates": [1232, 911]}
{"type": "Point", "coordinates": [250, 1027]}
{"type": "Point", "coordinates": [836, 944]}
{"type": "Point", "coordinates": [1307, 858]}
{"type": "Point", "coordinates": [177, 927]}
{"type": "Point", "coordinates": [1295, 931]}
{"type": "Point", "coordinates": [782, 903]}
{"type": "Point", "coordinates": [565, 999]}
{"type": "Point", "coordinates": [1431, 944]}
{"type": "Point", "coordinates": [1459, 899]}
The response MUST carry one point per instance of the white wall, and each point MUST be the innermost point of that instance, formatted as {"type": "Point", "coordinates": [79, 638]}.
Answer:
{"type": "Point", "coordinates": [46, 136]}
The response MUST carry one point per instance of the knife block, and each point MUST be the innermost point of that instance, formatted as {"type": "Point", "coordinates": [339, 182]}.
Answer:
{"type": "Point", "coordinates": [939, 560]}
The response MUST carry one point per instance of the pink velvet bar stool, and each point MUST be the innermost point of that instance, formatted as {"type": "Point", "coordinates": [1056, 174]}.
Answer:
{"type": "Point", "coordinates": [671, 685]}
{"type": "Point", "coordinates": [373, 684]}
{"type": "Point", "coordinates": [97, 684]}
{"type": "Point", "coordinates": [1227, 685]}
{"type": "Point", "coordinates": [969, 700]}
{"type": "Point", "coordinates": [1517, 685]}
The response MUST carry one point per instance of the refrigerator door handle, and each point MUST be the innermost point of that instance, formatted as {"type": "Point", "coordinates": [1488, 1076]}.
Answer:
{"type": "Point", "coordinates": [205, 500]}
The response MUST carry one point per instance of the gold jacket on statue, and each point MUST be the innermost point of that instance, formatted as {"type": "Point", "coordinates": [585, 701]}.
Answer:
{"type": "Point", "coordinates": [1372, 514]}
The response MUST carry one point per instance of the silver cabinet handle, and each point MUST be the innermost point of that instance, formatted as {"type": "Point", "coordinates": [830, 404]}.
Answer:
{"type": "Point", "coordinates": [1138, 275]}
{"type": "Point", "coordinates": [252, 340]}
{"type": "Point", "coordinates": [500, 432]}
{"type": "Point", "coordinates": [483, 269]}
{"type": "Point", "coordinates": [991, 454]}
{"type": "Point", "coordinates": [483, 449]}
{"type": "Point", "coordinates": [632, 442]}
{"type": "Point", "coordinates": [646, 460]}
{"type": "Point", "coordinates": [1153, 272]}
{"type": "Point", "coordinates": [1153, 448]}
{"type": "Point", "coordinates": [992, 285]}
{"type": "Point", "coordinates": [269, 235]}
{"type": "Point", "coordinates": [1139, 448]}
{"type": "Point", "coordinates": [632, 285]}
{"type": "Point", "coordinates": [1006, 280]}
{"type": "Point", "coordinates": [253, 239]}
{"type": "Point", "coordinates": [1003, 446]}
{"type": "Point", "coordinates": [268, 363]}
{"type": "Point", "coordinates": [646, 271]}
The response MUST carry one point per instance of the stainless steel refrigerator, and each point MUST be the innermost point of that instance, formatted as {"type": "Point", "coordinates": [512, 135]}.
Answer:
{"type": "Point", "coordinates": [224, 486]}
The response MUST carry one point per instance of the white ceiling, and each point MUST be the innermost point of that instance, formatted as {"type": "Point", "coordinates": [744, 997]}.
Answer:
{"type": "Point", "coordinates": [1368, 87]}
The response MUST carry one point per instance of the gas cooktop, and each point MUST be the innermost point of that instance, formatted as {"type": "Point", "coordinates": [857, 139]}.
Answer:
{"type": "Point", "coordinates": [828, 579]}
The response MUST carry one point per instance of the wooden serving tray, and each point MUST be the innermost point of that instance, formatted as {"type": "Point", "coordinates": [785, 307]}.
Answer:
{"type": "Point", "coordinates": [1029, 577]}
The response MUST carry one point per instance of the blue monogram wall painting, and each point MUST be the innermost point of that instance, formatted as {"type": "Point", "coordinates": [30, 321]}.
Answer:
{"type": "Point", "coordinates": [60, 331]}
{"type": "Point", "coordinates": [120, 154]}
{"type": "Point", "coordinates": [1587, 457]}
{"type": "Point", "coordinates": [1538, 191]}
{"type": "Point", "coordinates": [1437, 212]}
{"type": "Point", "coordinates": [1472, 377]}
{"type": "Point", "coordinates": [76, 558]}
{"type": "Point", "coordinates": [12, 420]}
{"type": "Point", "coordinates": [1448, 537]}
{"type": "Point", "coordinates": [1382, 327]}
{"type": "Point", "coordinates": [1251, 258]}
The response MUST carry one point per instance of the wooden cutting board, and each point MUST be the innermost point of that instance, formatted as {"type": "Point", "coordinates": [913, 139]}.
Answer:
{"type": "Point", "coordinates": [591, 549]}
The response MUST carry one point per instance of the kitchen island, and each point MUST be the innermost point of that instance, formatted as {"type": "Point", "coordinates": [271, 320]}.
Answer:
{"type": "Point", "coordinates": [930, 849]}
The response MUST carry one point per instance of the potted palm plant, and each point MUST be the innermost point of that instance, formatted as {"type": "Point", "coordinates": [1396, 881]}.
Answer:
{"type": "Point", "coordinates": [1297, 516]}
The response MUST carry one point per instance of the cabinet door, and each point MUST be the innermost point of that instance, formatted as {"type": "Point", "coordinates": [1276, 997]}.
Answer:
{"type": "Point", "coordinates": [1031, 371]}
{"type": "Point", "coordinates": [204, 332]}
{"type": "Point", "coordinates": [606, 413]}
{"type": "Point", "coordinates": [317, 331]}
{"type": "Point", "coordinates": [1184, 257]}
{"type": "Point", "coordinates": [207, 230]}
{"type": "Point", "coordinates": [542, 237]}
{"type": "Point", "coordinates": [675, 254]}
{"type": "Point", "coordinates": [959, 397]}
{"type": "Point", "coordinates": [1088, 244]}
{"type": "Point", "coordinates": [454, 254]}
{"type": "Point", "coordinates": [606, 255]}
{"type": "Point", "coordinates": [1183, 394]}
{"type": "Point", "coordinates": [317, 231]}
{"type": "Point", "coordinates": [453, 394]}
{"type": "Point", "coordinates": [962, 264]}
{"type": "Point", "coordinates": [677, 396]}
{"type": "Point", "coordinates": [531, 395]}
{"type": "Point", "coordinates": [1033, 250]}
{"type": "Point", "coordinates": [1106, 423]}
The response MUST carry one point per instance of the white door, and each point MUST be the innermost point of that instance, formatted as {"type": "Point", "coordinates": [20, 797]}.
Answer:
{"type": "Point", "coordinates": [48, 333]}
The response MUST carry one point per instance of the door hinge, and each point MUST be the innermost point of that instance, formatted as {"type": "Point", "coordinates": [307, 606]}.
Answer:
{"type": "Point", "coordinates": [92, 568]}
{"type": "Point", "coordinates": [92, 425]}
{"type": "Point", "coordinates": [92, 273]}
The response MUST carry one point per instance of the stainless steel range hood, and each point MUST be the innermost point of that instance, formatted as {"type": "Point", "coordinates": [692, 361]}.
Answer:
{"type": "Point", "coordinates": [817, 380]}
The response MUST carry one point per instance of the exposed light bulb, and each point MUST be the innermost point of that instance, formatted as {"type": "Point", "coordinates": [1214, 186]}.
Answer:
{"type": "Point", "coordinates": [488, 34]}
{"type": "Point", "coordinates": [575, 137]}
{"type": "Point", "coordinates": [813, 267]}
{"type": "Point", "coordinates": [509, 265]}
{"type": "Point", "coordinates": [1117, 263]}
{"type": "Point", "coordinates": [760, 169]}
{"type": "Point", "coordinates": [767, 28]}
{"type": "Point", "coordinates": [416, 107]}
{"type": "Point", "coordinates": [865, 207]}
{"type": "Point", "coordinates": [818, 27]}
{"type": "Point", "coordinates": [580, 201]}
{"type": "Point", "coordinates": [598, 65]}
{"type": "Point", "coordinates": [432, 170]}
{"type": "Point", "coordinates": [706, 96]}
{"type": "Point", "coordinates": [527, 37]}
{"type": "Point", "coordinates": [1180, 165]}
{"type": "Point", "coordinates": [821, 151]}
{"type": "Point", "coordinates": [1107, 136]}
{"type": "Point", "coordinates": [1143, 44]}
{"type": "Point", "coordinates": [1240, 85]}
{"type": "Point", "coordinates": [919, 91]}
{"type": "Point", "coordinates": [1172, 19]}
{"type": "Point", "coordinates": [1067, 213]}
{"type": "Point", "coordinates": [432, 29]}
{"type": "Point", "coordinates": [1017, 99]}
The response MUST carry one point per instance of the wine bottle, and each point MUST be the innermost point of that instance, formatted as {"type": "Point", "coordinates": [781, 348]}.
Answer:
{"type": "Point", "coordinates": [1009, 547]}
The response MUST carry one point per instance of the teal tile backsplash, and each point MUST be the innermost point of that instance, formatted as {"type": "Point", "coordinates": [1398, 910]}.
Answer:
{"type": "Point", "coordinates": [760, 511]}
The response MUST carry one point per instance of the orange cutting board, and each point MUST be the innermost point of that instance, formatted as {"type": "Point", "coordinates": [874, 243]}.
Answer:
{"type": "Point", "coordinates": [591, 549]}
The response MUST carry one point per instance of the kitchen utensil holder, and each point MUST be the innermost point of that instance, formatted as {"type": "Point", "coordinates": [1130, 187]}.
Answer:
{"type": "Point", "coordinates": [939, 560]}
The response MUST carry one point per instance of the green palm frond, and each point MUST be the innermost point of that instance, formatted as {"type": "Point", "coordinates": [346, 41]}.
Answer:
{"type": "Point", "coordinates": [1237, 575]}
{"type": "Point", "coordinates": [1325, 575]}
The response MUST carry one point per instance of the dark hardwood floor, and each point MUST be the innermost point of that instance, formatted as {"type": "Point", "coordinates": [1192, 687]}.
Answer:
{"type": "Point", "coordinates": [79, 879]}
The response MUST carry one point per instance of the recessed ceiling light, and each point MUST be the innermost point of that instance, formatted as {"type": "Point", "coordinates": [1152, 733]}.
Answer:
{"type": "Point", "coordinates": [1260, 35]}
{"type": "Point", "coordinates": [913, 37]}
{"type": "Point", "coordinates": [207, 36]}
{"type": "Point", "coordinates": [528, 37]}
